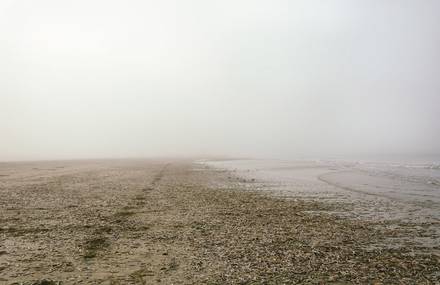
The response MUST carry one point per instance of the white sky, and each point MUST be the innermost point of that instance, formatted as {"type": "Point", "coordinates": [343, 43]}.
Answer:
{"type": "Point", "coordinates": [275, 78]}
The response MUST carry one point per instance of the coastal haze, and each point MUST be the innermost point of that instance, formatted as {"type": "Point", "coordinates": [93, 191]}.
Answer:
{"type": "Point", "coordinates": [273, 79]}
{"type": "Point", "coordinates": [219, 142]}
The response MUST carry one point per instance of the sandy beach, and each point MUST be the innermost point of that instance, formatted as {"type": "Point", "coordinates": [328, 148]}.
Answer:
{"type": "Point", "coordinates": [185, 222]}
{"type": "Point", "coordinates": [379, 191]}
{"type": "Point", "coordinates": [219, 142]}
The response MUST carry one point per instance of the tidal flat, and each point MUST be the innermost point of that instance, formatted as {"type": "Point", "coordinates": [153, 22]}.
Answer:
{"type": "Point", "coordinates": [181, 222]}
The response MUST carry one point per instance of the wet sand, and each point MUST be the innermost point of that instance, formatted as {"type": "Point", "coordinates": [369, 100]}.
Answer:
{"type": "Point", "coordinates": [376, 191]}
{"type": "Point", "coordinates": [179, 222]}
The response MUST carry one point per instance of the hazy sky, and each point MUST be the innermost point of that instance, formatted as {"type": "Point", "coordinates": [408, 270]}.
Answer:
{"type": "Point", "coordinates": [275, 78]}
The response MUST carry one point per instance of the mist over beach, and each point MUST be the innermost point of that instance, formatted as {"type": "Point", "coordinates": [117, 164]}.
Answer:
{"type": "Point", "coordinates": [284, 79]}
{"type": "Point", "coordinates": [219, 142]}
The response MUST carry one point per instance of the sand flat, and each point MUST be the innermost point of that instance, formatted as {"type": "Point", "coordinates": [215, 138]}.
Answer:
{"type": "Point", "coordinates": [179, 222]}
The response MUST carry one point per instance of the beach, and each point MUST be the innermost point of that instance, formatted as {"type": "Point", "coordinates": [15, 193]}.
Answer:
{"type": "Point", "coordinates": [387, 191]}
{"type": "Point", "coordinates": [175, 221]}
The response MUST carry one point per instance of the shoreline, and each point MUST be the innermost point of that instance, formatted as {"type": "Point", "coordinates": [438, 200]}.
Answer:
{"type": "Point", "coordinates": [369, 191]}
{"type": "Point", "coordinates": [152, 222]}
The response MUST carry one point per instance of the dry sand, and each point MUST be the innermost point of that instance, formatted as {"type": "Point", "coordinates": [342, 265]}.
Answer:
{"type": "Point", "coordinates": [162, 222]}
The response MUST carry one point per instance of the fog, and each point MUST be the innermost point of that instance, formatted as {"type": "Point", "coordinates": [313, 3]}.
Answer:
{"type": "Point", "coordinates": [248, 78]}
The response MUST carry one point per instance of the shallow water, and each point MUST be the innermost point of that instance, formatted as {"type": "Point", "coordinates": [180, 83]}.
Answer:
{"type": "Point", "coordinates": [386, 191]}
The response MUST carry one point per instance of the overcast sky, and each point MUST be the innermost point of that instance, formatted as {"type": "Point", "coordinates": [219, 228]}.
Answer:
{"type": "Point", "coordinates": [275, 78]}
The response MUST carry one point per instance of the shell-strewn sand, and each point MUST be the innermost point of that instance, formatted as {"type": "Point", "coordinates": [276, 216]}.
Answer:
{"type": "Point", "coordinates": [159, 222]}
